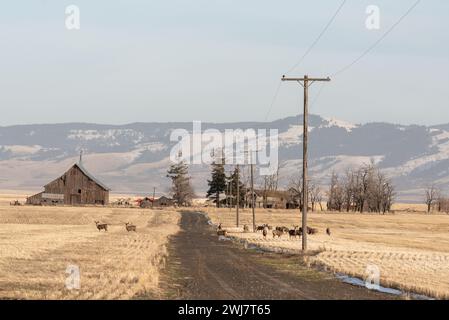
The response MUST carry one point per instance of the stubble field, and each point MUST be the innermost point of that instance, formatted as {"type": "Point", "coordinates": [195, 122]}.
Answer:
{"type": "Point", "coordinates": [411, 250]}
{"type": "Point", "coordinates": [40, 246]}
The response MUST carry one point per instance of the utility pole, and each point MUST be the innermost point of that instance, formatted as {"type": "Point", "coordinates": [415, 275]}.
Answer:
{"type": "Point", "coordinates": [238, 195]}
{"type": "Point", "coordinates": [227, 193]}
{"type": "Point", "coordinates": [305, 82]}
{"type": "Point", "coordinates": [253, 202]}
{"type": "Point", "coordinates": [154, 195]}
{"type": "Point", "coordinates": [230, 192]}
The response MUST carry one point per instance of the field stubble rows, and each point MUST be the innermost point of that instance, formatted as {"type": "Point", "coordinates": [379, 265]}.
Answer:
{"type": "Point", "coordinates": [37, 244]}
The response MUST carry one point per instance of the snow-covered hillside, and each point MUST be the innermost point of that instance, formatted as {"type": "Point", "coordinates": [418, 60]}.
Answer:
{"type": "Point", "coordinates": [134, 157]}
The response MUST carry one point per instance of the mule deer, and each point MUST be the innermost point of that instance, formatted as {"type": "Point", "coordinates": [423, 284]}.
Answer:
{"type": "Point", "coordinates": [265, 232]}
{"type": "Point", "coordinates": [130, 227]}
{"type": "Point", "coordinates": [101, 226]}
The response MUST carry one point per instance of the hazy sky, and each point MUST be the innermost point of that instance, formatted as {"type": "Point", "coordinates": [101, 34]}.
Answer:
{"type": "Point", "coordinates": [210, 60]}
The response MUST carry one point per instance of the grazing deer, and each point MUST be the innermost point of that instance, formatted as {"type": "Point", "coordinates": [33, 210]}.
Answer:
{"type": "Point", "coordinates": [283, 229]}
{"type": "Point", "coordinates": [265, 232]}
{"type": "Point", "coordinates": [328, 231]}
{"type": "Point", "coordinates": [101, 226]}
{"type": "Point", "coordinates": [245, 228]}
{"type": "Point", "coordinates": [297, 231]}
{"type": "Point", "coordinates": [262, 227]}
{"type": "Point", "coordinates": [277, 233]}
{"type": "Point", "coordinates": [130, 227]}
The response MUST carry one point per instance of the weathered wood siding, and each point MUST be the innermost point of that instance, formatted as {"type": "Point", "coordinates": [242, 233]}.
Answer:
{"type": "Point", "coordinates": [34, 200]}
{"type": "Point", "coordinates": [78, 189]}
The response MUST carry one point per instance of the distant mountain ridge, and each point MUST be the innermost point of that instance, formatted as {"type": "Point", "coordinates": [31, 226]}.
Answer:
{"type": "Point", "coordinates": [134, 157]}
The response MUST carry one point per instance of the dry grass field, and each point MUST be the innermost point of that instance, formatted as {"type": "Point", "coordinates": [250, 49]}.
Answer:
{"type": "Point", "coordinates": [37, 244]}
{"type": "Point", "coordinates": [410, 249]}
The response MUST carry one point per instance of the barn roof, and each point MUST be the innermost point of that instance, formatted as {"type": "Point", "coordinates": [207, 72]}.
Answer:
{"type": "Point", "coordinates": [83, 170]}
{"type": "Point", "coordinates": [87, 174]}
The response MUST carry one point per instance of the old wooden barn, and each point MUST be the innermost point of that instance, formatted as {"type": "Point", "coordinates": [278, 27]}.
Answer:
{"type": "Point", "coordinates": [75, 187]}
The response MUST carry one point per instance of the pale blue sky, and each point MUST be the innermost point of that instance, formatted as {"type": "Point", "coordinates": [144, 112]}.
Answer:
{"type": "Point", "coordinates": [218, 61]}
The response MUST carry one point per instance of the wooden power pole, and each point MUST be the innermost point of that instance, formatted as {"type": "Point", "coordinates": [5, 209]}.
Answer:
{"type": "Point", "coordinates": [238, 195]}
{"type": "Point", "coordinates": [253, 200]}
{"type": "Point", "coordinates": [305, 82]}
{"type": "Point", "coordinates": [230, 192]}
{"type": "Point", "coordinates": [154, 195]}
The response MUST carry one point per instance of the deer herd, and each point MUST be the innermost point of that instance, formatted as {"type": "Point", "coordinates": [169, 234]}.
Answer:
{"type": "Point", "coordinates": [277, 232]}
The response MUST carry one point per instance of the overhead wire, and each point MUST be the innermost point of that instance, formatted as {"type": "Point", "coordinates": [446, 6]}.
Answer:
{"type": "Point", "coordinates": [329, 23]}
{"type": "Point", "coordinates": [377, 42]}
{"type": "Point", "coordinates": [368, 50]}
{"type": "Point", "coordinates": [306, 53]}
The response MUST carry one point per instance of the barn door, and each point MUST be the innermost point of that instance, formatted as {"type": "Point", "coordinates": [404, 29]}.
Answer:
{"type": "Point", "coordinates": [75, 199]}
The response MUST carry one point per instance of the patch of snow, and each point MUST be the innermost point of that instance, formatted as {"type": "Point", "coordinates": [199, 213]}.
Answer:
{"type": "Point", "coordinates": [427, 160]}
{"type": "Point", "coordinates": [360, 283]}
{"type": "Point", "coordinates": [153, 147]}
{"type": "Point", "coordinates": [105, 135]}
{"type": "Point", "coordinates": [292, 136]}
{"type": "Point", "coordinates": [332, 122]}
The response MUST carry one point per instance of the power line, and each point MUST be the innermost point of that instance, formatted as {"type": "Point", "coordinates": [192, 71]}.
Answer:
{"type": "Point", "coordinates": [318, 38]}
{"type": "Point", "coordinates": [378, 41]}
{"type": "Point", "coordinates": [317, 96]}
{"type": "Point", "coordinates": [273, 101]}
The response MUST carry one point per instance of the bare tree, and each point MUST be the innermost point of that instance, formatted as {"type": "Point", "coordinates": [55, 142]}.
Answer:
{"type": "Point", "coordinates": [365, 188]}
{"type": "Point", "coordinates": [335, 194]}
{"type": "Point", "coordinates": [349, 187]}
{"type": "Point", "coordinates": [315, 195]}
{"type": "Point", "coordinates": [431, 196]}
{"type": "Point", "coordinates": [270, 183]}
{"type": "Point", "coordinates": [295, 191]}
{"type": "Point", "coordinates": [443, 203]}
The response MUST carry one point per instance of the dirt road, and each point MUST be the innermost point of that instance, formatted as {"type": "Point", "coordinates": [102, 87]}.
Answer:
{"type": "Point", "coordinates": [202, 267]}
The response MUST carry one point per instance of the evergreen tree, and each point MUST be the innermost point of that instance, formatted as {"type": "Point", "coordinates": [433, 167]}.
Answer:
{"type": "Point", "coordinates": [217, 184]}
{"type": "Point", "coordinates": [181, 189]}
{"type": "Point", "coordinates": [242, 189]}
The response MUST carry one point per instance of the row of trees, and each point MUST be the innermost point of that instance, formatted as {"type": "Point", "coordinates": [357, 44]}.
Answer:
{"type": "Point", "coordinates": [362, 189]}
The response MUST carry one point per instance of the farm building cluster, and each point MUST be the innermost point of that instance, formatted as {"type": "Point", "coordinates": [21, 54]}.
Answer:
{"type": "Point", "coordinates": [78, 187]}
{"type": "Point", "coordinates": [268, 199]}
{"type": "Point", "coordinates": [161, 201]}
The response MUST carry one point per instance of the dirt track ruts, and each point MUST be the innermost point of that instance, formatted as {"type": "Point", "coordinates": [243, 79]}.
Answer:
{"type": "Point", "coordinates": [200, 266]}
